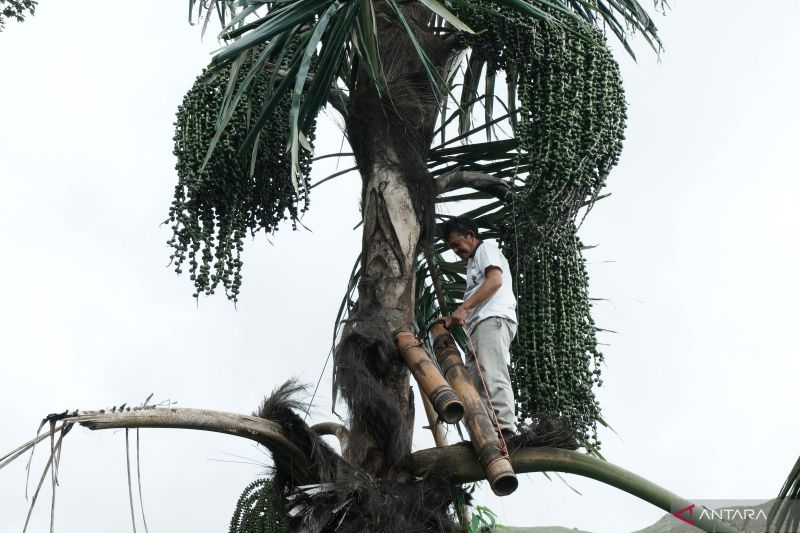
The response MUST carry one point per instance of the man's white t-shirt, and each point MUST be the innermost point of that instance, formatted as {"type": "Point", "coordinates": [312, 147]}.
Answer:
{"type": "Point", "coordinates": [502, 303]}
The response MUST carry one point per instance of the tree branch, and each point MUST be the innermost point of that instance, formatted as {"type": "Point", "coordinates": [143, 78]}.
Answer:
{"type": "Point", "coordinates": [458, 464]}
{"type": "Point", "coordinates": [458, 179]}
{"type": "Point", "coordinates": [337, 430]}
{"type": "Point", "coordinates": [265, 432]}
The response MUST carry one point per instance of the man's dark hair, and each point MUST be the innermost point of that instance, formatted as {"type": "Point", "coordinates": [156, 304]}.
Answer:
{"type": "Point", "coordinates": [461, 226]}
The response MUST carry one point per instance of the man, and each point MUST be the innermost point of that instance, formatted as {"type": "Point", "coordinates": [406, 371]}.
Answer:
{"type": "Point", "coordinates": [489, 316]}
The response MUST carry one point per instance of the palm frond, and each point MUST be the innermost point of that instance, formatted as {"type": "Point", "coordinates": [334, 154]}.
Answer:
{"type": "Point", "coordinates": [784, 515]}
{"type": "Point", "coordinates": [450, 278]}
{"type": "Point", "coordinates": [622, 17]}
{"type": "Point", "coordinates": [323, 41]}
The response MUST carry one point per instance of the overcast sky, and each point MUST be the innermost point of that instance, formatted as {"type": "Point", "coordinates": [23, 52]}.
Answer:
{"type": "Point", "coordinates": [697, 265]}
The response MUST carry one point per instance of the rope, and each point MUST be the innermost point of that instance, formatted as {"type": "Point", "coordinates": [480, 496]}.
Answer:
{"type": "Point", "coordinates": [503, 446]}
{"type": "Point", "coordinates": [417, 344]}
{"type": "Point", "coordinates": [319, 380]}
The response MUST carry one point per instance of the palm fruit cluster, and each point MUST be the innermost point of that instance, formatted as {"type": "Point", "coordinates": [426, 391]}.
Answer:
{"type": "Point", "coordinates": [259, 510]}
{"type": "Point", "coordinates": [555, 361]}
{"type": "Point", "coordinates": [570, 129]}
{"type": "Point", "coordinates": [217, 203]}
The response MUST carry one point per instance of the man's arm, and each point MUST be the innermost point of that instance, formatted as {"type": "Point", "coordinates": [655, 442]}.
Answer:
{"type": "Point", "coordinates": [493, 281]}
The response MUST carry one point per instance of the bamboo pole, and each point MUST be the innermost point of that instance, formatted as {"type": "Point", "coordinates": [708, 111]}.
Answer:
{"type": "Point", "coordinates": [436, 427]}
{"type": "Point", "coordinates": [482, 433]}
{"type": "Point", "coordinates": [444, 400]}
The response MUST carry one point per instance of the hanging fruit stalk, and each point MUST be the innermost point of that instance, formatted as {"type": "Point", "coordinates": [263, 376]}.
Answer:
{"type": "Point", "coordinates": [433, 386]}
{"type": "Point", "coordinates": [482, 433]}
{"type": "Point", "coordinates": [569, 125]}
{"type": "Point", "coordinates": [222, 196]}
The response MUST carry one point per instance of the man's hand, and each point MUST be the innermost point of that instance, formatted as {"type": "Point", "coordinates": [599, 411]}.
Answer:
{"type": "Point", "coordinates": [458, 318]}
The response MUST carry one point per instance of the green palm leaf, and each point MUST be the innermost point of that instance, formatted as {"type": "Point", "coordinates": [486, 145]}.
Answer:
{"type": "Point", "coordinates": [784, 515]}
{"type": "Point", "coordinates": [349, 37]}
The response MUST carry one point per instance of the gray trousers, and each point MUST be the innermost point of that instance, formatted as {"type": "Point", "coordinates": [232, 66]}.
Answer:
{"type": "Point", "coordinates": [492, 339]}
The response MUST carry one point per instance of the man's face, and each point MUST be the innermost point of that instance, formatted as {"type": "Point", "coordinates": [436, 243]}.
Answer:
{"type": "Point", "coordinates": [462, 245]}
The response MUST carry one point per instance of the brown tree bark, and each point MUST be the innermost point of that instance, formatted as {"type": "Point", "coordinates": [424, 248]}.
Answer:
{"type": "Point", "coordinates": [390, 133]}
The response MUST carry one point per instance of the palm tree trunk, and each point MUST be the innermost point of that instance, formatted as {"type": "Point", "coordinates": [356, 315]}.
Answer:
{"type": "Point", "coordinates": [372, 377]}
{"type": "Point", "coordinates": [390, 133]}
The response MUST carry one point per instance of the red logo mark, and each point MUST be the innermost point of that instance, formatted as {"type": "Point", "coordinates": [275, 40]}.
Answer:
{"type": "Point", "coordinates": [690, 509]}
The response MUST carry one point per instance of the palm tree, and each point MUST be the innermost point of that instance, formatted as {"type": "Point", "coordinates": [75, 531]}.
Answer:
{"type": "Point", "coordinates": [540, 154]}
{"type": "Point", "coordinates": [393, 70]}
{"type": "Point", "coordinates": [407, 79]}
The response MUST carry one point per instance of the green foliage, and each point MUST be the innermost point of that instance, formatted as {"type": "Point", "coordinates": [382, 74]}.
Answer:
{"type": "Point", "coordinates": [259, 510]}
{"type": "Point", "coordinates": [622, 17]}
{"type": "Point", "coordinates": [566, 109]}
{"type": "Point", "coordinates": [218, 200]}
{"type": "Point", "coordinates": [16, 9]}
{"type": "Point", "coordinates": [784, 514]}
{"type": "Point", "coordinates": [222, 195]}
{"type": "Point", "coordinates": [342, 39]}
{"type": "Point", "coordinates": [483, 520]}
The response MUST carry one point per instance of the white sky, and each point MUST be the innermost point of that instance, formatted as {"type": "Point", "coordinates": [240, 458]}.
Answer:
{"type": "Point", "coordinates": [697, 260]}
